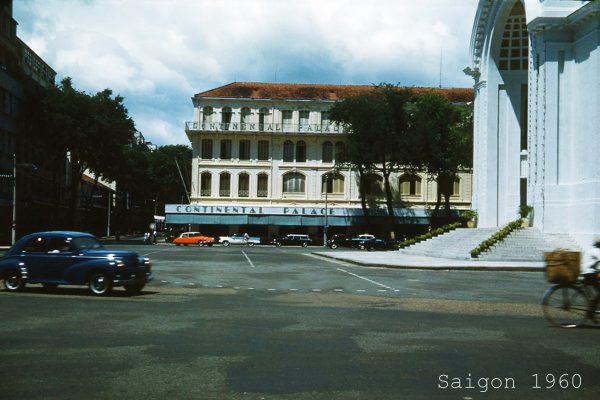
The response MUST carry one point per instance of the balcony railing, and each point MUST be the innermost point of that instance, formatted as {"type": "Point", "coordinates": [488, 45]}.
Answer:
{"type": "Point", "coordinates": [268, 128]}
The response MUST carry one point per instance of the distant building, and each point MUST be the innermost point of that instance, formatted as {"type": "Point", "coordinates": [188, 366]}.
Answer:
{"type": "Point", "coordinates": [263, 155]}
{"type": "Point", "coordinates": [536, 68]}
{"type": "Point", "coordinates": [23, 75]}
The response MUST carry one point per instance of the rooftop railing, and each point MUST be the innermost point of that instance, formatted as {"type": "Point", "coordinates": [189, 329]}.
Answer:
{"type": "Point", "coordinates": [268, 128]}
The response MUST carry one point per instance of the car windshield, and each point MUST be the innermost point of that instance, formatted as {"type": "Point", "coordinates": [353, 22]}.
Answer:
{"type": "Point", "coordinates": [87, 243]}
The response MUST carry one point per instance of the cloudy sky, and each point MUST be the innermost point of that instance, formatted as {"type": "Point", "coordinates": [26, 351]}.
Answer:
{"type": "Point", "coordinates": [158, 53]}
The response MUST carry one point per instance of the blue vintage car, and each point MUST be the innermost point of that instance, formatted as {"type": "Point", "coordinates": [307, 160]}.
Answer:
{"type": "Point", "coordinates": [72, 258]}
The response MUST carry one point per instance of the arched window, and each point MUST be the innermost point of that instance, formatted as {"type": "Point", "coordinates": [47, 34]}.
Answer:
{"type": "Point", "coordinates": [207, 115]}
{"type": "Point", "coordinates": [304, 116]}
{"type": "Point", "coordinates": [514, 48]}
{"type": "Point", "coordinates": [300, 151]}
{"type": "Point", "coordinates": [262, 185]}
{"type": "Point", "coordinates": [410, 185]}
{"type": "Point", "coordinates": [262, 118]}
{"type": "Point", "coordinates": [372, 185]}
{"type": "Point", "coordinates": [207, 149]}
{"type": "Point", "coordinates": [286, 120]}
{"type": "Point", "coordinates": [332, 184]}
{"type": "Point", "coordinates": [224, 184]}
{"type": "Point", "coordinates": [244, 149]}
{"type": "Point", "coordinates": [205, 184]}
{"type": "Point", "coordinates": [226, 115]}
{"type": "Point", "coordinates": [340, 149]}
{"type": "Point", "coordinates": [294, 182]}
{"type": "Point", "coordinates": [288, 151]}
{"type": "Point", "coordinates": [456, 187]}
{"type": "Point", "coordinates": [327, 152]}
{"type": "Point", "coordinates": [245, 118]}
{"type": "Point", "coordinates": [243, 185]}
{"type": "Point", "coordinates": [225, 153]}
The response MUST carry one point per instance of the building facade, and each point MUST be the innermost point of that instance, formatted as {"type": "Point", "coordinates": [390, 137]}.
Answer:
{"type": "Point", "coordinates": [264, 157]}
{"type": "Point", "coordinates": [536, 67]}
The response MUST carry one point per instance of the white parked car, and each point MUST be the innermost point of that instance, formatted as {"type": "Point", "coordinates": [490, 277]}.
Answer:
{"type": "Point", "coordinates": [239, 239]}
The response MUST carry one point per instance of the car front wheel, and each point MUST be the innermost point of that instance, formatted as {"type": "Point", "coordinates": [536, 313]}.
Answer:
{"type": "Point", "coordinates": [334, 246]}
{"type": "Point", "coordinates": [13, 281]}
{"type": "Point", "coordinates": [100, 284]}
{"type": "Point", "coordinates": [304, 244]}
{"type": "Point", "coordinates": [225, 243]}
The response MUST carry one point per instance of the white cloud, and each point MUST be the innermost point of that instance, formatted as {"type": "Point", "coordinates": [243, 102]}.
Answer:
{"type": "Point", "coordinates": [159, 53]}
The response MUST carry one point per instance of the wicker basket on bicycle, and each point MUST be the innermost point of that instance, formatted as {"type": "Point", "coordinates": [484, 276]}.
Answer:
{"type": "Point", "coordinates": [562, 266]}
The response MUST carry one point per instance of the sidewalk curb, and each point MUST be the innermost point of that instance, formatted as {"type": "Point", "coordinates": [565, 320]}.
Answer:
{"type": "Point", "coordinates": [440, 265]}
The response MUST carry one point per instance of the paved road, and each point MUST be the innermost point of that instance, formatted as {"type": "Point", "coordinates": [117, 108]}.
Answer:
{"type": "Point", "coordinates": [282, 269]}
{"type": "Point", "coordinates": [268, 323]}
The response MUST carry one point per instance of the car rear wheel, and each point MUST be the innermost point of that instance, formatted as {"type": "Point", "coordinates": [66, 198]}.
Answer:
{"type": "Point", "coordinates": [225, 243]}
{"type": "Point", "coordinates": [134, 288]}
{"type": "Point", "coordinates": [200, 243]}
{"type": "Point", "coordinates": [13, 281]}
{"type": "Point", "coordinates": [100, 284]}
{"type": "Point", "coordinates": [278, 244]}
{"type": "Point", "coordinates": [304, 244]}
{"type": "Point", "coordinates": [334, 246]}
{"type": "Point", "coordinates": [361, 246]}
{"type": "Point", "coordinates": [250, 244]}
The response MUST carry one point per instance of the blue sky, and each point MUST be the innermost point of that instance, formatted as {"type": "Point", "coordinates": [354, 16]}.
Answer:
{"type": "Point", "coordinates": [158, 53]}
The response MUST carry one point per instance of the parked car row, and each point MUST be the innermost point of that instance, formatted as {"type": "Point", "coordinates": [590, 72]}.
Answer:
{"type": "Point", "coordinates": [364, 241]}
{"type": "Point", "coordinates": [197, 238]}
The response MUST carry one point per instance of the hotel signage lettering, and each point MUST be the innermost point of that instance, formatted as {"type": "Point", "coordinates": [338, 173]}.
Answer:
{"type": "Point", "coordinates": [251, 210]}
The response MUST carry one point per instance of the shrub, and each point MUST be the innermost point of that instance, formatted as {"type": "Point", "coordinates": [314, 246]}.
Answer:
{"type": "Point", "coordinates": [495, 238]}
{"type": "Point", "coordinates": [436, 232]}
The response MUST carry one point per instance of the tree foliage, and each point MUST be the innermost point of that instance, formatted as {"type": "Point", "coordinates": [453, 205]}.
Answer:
{"type": "Point", "coordinates": [377, 124]}
{"type": "Point", "coordinates": [92, 131]}
{"type": "Point", "coordinates": [391, 129]}
{"type": "Point", "coordinates": [444, 136]}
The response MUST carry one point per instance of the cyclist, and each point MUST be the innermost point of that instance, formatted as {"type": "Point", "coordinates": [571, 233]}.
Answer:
{"type": "Point", "coordinates": [590, 270]}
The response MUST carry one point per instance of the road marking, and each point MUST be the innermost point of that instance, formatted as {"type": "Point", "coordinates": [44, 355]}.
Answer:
{"type": "Point", "coordinates": [316, 290]}
{"type": "Point", "coordinates": [248, 258]}
{"type": "Point", "coordinates": [152, 252]}
{"type": "Point", "coordinates": [293, 290]}
{"type": "Point", "coordinates": [271, 290]}
{"type": "Point", "coordinates": [338, 290]}
{"type": "Point", "coordinates": [361, 290]}
{"type": "Point", "coordinates": [366, 279]}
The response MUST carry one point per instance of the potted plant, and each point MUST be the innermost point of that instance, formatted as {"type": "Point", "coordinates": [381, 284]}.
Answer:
{"type": "Point", "coordinates": [471, 217]}
{"type": "Point", "coordinates": [525, 213]}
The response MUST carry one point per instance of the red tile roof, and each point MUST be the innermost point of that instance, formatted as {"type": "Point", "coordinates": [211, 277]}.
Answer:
{"type": "Point", "coordinates": [300, 91]}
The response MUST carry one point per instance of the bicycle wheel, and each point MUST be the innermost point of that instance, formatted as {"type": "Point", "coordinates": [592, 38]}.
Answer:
{"type": "Point", "coordinates": [565, 306]}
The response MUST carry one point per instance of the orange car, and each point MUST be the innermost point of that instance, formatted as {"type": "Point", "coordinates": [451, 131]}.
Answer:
{"type": "Point", "coordinates": [193, 238]}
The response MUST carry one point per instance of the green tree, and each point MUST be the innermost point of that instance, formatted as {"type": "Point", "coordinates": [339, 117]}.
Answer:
{"type": "Point", "coordinates": [444, 133]}
{"type": "Point", "coordinates": [378, 127]}
{"type": "Point", "coordinates": [92, 132]}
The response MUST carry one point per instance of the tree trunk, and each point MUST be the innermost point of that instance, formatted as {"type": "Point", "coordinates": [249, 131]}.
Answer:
{"type": "Point", "coordinates": [361, 194]}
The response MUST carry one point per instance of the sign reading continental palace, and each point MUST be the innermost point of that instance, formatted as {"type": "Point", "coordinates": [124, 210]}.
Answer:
{"type": "Point", "coordinates": [265, 210]}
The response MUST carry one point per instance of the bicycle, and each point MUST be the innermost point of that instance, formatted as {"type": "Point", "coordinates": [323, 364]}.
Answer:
{"type": "Point", "coordinates": [569, 305]}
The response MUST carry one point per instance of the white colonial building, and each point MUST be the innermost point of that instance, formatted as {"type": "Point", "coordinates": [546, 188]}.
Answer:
{"type": "Point", "coordinates": [536, 65]}
{"type": "Point", "coordinates": [263, 156]}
